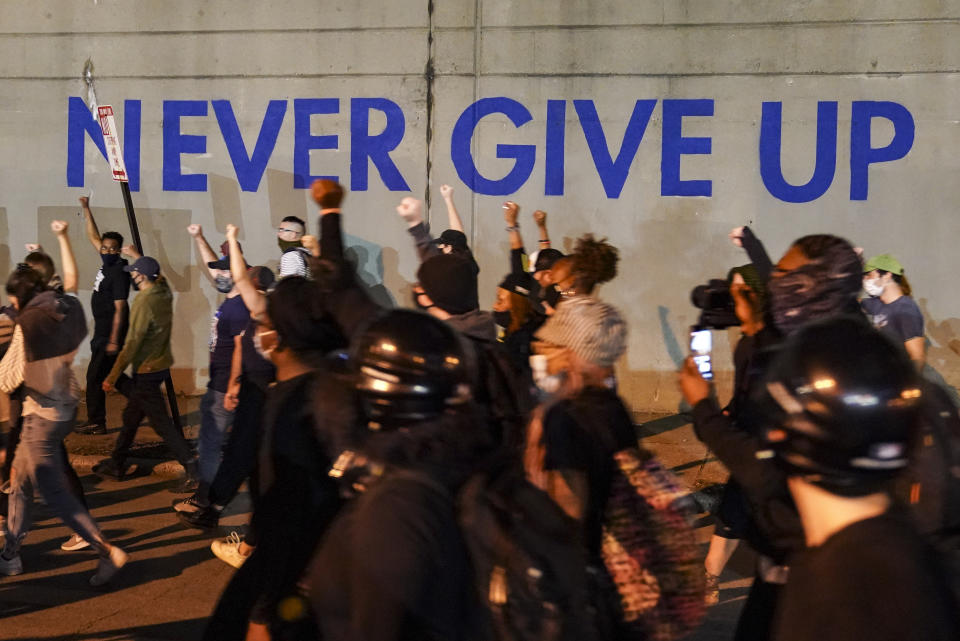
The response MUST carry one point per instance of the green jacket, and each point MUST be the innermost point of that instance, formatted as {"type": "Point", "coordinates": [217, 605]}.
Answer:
{"type": "Point", "coordinates": [148, 340]}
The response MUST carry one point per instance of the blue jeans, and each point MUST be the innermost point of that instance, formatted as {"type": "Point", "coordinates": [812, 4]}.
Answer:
{"type": "Point", "coordinates": [215, 422]}
{"type": "Point", "coordinates": [39, 461]}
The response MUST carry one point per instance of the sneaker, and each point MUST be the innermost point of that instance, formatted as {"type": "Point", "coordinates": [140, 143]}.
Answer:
{"type": "Point", "coordinates": [190, 504]}
{"type": "Point", "coordinates": [228, 550]}
{"type": "Point", "coordinates": [206, 519]}
{"type": "Point", "coordinates": [109, 566]}
{"type": "Point", "coordinates": [189, 485]}
{"type": "Point", "coordinates": [712, 596]}
{"type": "Point", "coordinates": [109, 467]}
{"type": "Point", "coordinates": [91, 428]}
{"type": "Point", "coordinates": [75, 542]}
{"type": "Point", "coordinates": [11, 567]}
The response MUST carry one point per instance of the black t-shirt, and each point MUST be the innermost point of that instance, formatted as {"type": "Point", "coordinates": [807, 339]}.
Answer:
{"type": "Point", "coordinates": [112, 284]}
{"type": "Point", "coordinates": [901, 320]}
{"type": "Point", "coordinates": [255, 368]}
{"type": "Point", "coordinates": [393, 566]}
{"type": "Point", "coordinates": [230, 319]}
{"type": "Point", "coordinates": [875, 580]}
{"type": "Point", "coordinates": [583, 433]}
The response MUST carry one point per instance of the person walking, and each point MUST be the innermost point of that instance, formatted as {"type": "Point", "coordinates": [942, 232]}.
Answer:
{"type": "Point", "coordinates": [147, 349]}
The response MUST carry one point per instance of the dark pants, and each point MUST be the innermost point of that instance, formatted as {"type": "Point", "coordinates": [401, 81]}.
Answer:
{"type": "Point", "coordinates": [757, 617]}
{"type": "Point", "coordinates": [241, 453]}
{"type": "Point", "coordinates": [145, 399]}
{"type": "Point", "coordinates": [97, 370]}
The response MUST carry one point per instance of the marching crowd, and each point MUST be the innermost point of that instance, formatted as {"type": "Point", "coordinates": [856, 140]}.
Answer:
{"type": "Point", "coordinates": [445, 472]}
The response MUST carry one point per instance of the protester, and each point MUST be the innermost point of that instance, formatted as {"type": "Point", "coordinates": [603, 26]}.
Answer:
{"type": "Point", "coordinates": [307, 417]}
{"type": "Point", "coordinates": [581, 422]}
{"type": "Point", "coordinates": [226, 353]}
{"type": "Point", "coordinates": [50, 328]}
{"type": "Point", "coordinates": [818, 277]}
{"type": "Point", "coordinates": [394, 565]}
{"type": "Point", "coordinates": [749, 296]}
{"type": "Point", "coordinates": [111, 288]}
{"type": "Point", "coordinates": [294, 259]}
{"type": "Point", "coordinates": [891, 308]}
{"type": "Point", "coordinates": [843, 412]}
{"type": "Point", "coordinates": [147, 349]}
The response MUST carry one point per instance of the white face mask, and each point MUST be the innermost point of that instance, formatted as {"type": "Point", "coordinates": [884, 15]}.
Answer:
{"type": "Point", "coordinates": [873, 286]}
{"type": "Point", "coordinates": [258, 345]}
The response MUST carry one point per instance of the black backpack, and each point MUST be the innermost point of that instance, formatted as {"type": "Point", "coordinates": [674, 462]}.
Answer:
{"type": "Point", "coordinates": [529, 563]}
{"type": "Point", "coordinates": [502, 392]}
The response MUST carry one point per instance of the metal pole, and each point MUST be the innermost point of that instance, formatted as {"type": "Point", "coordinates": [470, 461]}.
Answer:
{"type": "Point", "coordinates": [131, 216]}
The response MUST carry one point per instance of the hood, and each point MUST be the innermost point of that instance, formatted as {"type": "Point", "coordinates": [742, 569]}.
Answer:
{"type": "Point", "coordinates": [478, 325]}
{"type": "Point", "coordinates": [53, 325]}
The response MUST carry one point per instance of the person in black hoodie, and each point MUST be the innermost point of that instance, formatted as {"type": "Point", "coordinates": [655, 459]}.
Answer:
{"type": "Point", "coordinates": [393, 566]}
{"type": "Point", "coordinates": [306, 419]}
{"type": "Point", "coordinates": [819, 276]}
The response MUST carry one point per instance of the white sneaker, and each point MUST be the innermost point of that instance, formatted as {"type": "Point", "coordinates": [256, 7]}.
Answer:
{"type": "Point", "coordinates": [109, 566]}
{"type": "Point", "coordinates": [11, 567]}
{"type": "Point", "coordinates": [75, 542]}
{"type": "Point", "coordinates": [228, 550]}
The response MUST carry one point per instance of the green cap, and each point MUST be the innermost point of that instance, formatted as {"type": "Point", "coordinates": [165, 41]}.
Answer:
{"type": "Point", "coordinates": [884, 262]}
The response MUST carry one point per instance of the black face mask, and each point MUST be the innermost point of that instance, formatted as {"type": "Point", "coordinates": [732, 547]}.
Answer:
{"type": "Point", "coordinates": [502, 319]}
{"type": "Point", "coordinates": [109, 260]}
{"type": "Point", "coordinates": [552, 295]}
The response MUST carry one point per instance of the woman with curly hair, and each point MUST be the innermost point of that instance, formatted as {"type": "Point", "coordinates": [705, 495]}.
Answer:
{"type": "Point", "coordinates": [592, 263]}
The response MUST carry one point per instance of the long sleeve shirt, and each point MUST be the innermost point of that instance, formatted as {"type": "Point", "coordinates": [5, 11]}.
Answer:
{"type": "Point", "coordinates": [147, 346]}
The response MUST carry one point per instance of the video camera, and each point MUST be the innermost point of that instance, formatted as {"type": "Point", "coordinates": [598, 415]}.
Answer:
{"type": "Point", "coordinates": [716, 305]}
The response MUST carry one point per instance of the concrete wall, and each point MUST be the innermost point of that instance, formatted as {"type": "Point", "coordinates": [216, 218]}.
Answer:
{"type": "Point", "coordinates": [436, 59]}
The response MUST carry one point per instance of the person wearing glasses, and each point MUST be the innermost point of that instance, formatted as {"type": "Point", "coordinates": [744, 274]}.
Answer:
{"type": "Point", "coordinates": [293, 261]}
{"type": "Point", "coordinates": [110, 313]}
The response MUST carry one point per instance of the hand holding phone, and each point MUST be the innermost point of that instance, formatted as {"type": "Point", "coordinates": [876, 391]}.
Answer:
{"type": "Point", "coordinates": [701, 348]}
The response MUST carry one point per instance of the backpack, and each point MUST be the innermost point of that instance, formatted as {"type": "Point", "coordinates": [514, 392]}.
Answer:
{"type": "Point", "coordinates": [502, 392]}
{"type": "Point", "coordinates": [529, 565]}
{"type": "Point", "coordinates": [650, 549]}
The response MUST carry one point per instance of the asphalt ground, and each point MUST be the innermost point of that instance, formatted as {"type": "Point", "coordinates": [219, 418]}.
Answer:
{"type": "Point", "coordinates": [173, 581]}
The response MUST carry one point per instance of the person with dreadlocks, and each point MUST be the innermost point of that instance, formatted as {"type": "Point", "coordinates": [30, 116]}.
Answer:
{"type": "Point", "coordinates": [818, 277]}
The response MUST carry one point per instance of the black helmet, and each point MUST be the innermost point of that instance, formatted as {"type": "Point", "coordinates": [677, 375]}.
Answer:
{"type": "Point", "coordinates": [843, 404]}
{"type": "Point", "coordinates": [409, 366]}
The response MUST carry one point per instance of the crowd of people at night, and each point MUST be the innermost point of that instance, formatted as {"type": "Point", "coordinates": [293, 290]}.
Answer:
{"type": "Point", "coordinates": [439, 471]}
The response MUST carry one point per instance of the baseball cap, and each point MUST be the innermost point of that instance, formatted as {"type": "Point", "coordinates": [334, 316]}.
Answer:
{"type": "Point", "coordinates": [145, 265]}
{"type": "Point", "coordinates": [884, 262]}
{"type": "Point", "coordinates": [224, 261]}
{"type": "Point", "coordinates": [593, 330]}
{"type": "Point", "coordinates": [546, 258]}
{"type": "Point", "coordinates": [454, 238]}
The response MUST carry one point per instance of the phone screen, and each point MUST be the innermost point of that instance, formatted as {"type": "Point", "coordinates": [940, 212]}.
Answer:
{"type": "Point", "coordinates": [701, 345]}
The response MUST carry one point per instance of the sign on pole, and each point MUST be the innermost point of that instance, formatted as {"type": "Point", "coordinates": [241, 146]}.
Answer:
{"type": "Point", "coordinates": [114, 155]}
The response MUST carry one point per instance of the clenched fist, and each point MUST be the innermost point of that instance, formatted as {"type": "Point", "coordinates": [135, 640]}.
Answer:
{"type": "Point", "coordinates": [195, 230]}
{"type": "Point", "coordinates": [410, 209]}
{"type": "Point", "coordinates": [59, 227]}
{"type": "Point", "coordinates": [328, 194]}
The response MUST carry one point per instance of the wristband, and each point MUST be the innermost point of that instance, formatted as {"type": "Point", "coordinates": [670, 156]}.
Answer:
{"type": "Point", "coordinates": [513, 228]}
{"type": "Point", "coordinates": [545, 242]}
{"type": "Point", "coordinates": [330, 210]}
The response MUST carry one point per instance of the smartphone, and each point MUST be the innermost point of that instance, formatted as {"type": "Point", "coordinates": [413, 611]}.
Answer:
{"type": "Point", "coordinates": [701, 346]}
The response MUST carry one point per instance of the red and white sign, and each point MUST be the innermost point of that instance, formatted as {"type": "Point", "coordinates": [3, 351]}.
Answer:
{"type": "Point", "coordinates": [114, 155]}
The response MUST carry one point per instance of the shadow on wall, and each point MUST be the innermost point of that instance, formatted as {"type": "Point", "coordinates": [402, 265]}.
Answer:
{"type": "Point", "coordinates": [5, 253]}
{"type": "Point", "coordinates": [225, 202]}
{"type": "Point", "coordinates": [367, 259]}
{"type": "Point", "coordinates": [285, 201]}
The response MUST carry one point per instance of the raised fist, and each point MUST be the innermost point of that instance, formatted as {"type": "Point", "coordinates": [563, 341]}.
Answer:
{"type": "Point", "coordinates": [195, 230]}
{"type": "Point", "coordinates": [84, 201]}
{"type": "Point", "coordinates": [310, 243]}
{"type": "Point", "coordinates": [231, 231]}
{"type": "Point", "coordinates": [59, 227]}
{"type": "Point", "coordinates": [130, 250]}
{"type": "Point", "coordinates": [328, 194]}
{"type": "Point", "coordinates": [736, 236]}
{"type": "Point", "coordinates": [510, 212]}
{"type": "Point", "coordinates": [446, 191]}
{"type": "Point", "coordinates": [410, 210]}
{"type": "Point", "coordinates": [540, 217]}
{"type": "Point", "coordinates": [33, 247]}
